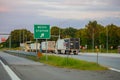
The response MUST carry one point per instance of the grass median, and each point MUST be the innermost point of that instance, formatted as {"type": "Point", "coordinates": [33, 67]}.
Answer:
{"type": "Point", "coordinates": [66, 62]}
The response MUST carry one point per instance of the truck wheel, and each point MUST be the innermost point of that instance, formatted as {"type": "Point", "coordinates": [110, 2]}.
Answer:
{"type": "Point", "coordinates": [75, 53]}
{"type": "Point", "coordinates": [59, 52]}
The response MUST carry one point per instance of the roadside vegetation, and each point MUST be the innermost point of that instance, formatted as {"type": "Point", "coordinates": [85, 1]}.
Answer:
{"type": "Point", "coordinates": [66, 62]}
{"type": "Point", "coordinates": [63, 62]}
{"type": "Point", "coordinates": [91, 35]}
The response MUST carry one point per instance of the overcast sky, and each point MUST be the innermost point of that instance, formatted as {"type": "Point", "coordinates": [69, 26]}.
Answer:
{"type": "Point", "coordinates": [64, 13]}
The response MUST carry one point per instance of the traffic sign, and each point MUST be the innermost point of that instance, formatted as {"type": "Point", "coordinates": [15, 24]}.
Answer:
{"type": "Point", "coordinates": [42, 31]}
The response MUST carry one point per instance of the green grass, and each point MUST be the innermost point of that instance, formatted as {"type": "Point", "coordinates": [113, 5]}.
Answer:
{"type": "Point", "coordinates": [65, 62]}
{"type": "Point", "coordinates": [18, 48]}
{"type": "Point", "coordinates": [71, 63]}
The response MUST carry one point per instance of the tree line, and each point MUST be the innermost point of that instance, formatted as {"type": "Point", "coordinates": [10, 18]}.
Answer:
{"type": "Point", "coordinates": [93, 34]}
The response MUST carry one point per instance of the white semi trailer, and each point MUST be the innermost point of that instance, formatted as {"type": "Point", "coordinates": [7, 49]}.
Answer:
{"type": "Point", "coordinates": [49, 46]}
{"type": "Point", "coordinates": [34, 46]}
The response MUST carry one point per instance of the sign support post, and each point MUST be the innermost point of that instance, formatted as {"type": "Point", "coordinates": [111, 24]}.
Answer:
{"type": "Point", "coordinates": [10, 42]}
{"type": "Point", "coordinates": [36, 46]}
{"type": "Point", "coordinates": [42, 32]}
{"type": "Point", "coordinates": [46, 50]}
{"type": "Point", "coordinates": [97, 50]}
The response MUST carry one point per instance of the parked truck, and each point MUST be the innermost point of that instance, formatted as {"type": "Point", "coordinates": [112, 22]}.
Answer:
{"type": "Point", "coordinates": [25, 46]}
{"type": "Point", "coordinates": [29, 46]}
{"type": "Point", "coordinates": [34, 46]}
{"type": "Point", "coordinates": [49, 46]}
{"type": "Point", "coordinates": [67, 46]}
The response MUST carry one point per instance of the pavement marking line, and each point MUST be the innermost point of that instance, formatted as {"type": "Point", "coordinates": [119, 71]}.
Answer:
{"type": "Point", "coordinates": [117, 70]}
{"type": "Point", "coordinates": [10, 72]}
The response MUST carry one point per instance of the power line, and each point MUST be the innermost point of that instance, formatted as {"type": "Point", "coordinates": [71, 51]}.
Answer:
{"type": "Point", "coordinates": [4, 34]}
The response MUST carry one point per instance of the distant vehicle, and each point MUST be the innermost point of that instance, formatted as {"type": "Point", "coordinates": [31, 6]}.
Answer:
{"type": "Point", "coordinates": [67, 46]}
{"type": "Point", "coordinates": [34, 46]}
{"type": "Point", "coordinates": [25, 46]}
{"type": "Point", "coordinates": [29, 46]}
{"type": "Point", "coordinates": [49, 45]}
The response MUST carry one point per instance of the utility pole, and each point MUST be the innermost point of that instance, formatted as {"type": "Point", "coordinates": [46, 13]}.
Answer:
{"type": "Point", "coordinates": [59, 32]}
{"type": "Point", "coordinates": [20, 36]}
{"type": "Point", "coordinates": [93, 40]}
{"type": "Point", "coordinates": [46, 50]}
{"type": "Point", "coordinates": [107, 38]}
{"type": "Point", "coordinates": [9, 41]}
{"type": "Point", "coordinates": [23, 35]}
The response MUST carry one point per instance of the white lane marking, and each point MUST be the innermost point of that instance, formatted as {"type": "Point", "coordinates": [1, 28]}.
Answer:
{"type": "Point", "coordinates": [10, 72]}
{"type": "Point", "coordinates": [117, 70]}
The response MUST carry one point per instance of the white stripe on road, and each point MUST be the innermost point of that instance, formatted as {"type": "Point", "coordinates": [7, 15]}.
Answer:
{"type": "Point", "coordinates": [10, 72]}
{"type": "Point", "coordinates": [117, 70]}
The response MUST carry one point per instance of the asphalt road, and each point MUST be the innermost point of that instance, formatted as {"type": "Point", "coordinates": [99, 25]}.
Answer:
{"type": "Point", "coordinates": [3, 74]}
{"type": "Point", "coordinates": [30, 70]}
{"type": "Point", "coordinates": [106, 60]}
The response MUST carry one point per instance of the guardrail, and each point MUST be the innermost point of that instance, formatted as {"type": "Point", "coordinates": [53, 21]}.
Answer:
{"type": "Point", "coordinates": [21, 52]}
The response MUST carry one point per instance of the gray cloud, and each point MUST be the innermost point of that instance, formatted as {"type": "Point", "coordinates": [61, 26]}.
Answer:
{"type": "Point", "coordinates": [26, 13]}
{"type": "Point", "coordinates": [30, 6]}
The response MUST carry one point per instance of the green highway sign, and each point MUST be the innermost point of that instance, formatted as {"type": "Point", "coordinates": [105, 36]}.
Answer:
{"type": "Point", "coordinates": [41, 31]}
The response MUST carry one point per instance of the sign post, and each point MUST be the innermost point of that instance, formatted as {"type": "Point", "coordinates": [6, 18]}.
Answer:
{"type": "Point", "coordinates": [97, 50]}
{"type": "Point", "coordinates": [42, 32]}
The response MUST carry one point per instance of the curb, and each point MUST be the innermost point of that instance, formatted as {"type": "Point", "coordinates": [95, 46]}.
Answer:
{"type": "Point", "coordinates": [113, 69]}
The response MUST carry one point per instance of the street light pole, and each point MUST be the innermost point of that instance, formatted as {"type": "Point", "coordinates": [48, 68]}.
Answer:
{"type": "Point", "coordinates": [9, 41]}
{"type": "Point", "coordinates": [93, 39]}
{"type": "Point", "coordinates": [46, 50]}
{"type": "Point", "coordinates": [59, 32]}
{"type": "Point", "coordinates": [23, 35]}
{"type": "Point", "coordinates": [107, 38]}
{"type": "Point", "coordinates": [20, 36]}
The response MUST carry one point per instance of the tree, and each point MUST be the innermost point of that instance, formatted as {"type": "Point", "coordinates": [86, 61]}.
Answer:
{"type": "Point", "coordinates": [69, 32]}
{"type": "Point", "coordinates": [81, 33]}
{"type": "Point", "coordinates": [113, 38]}
{"type": "Point", "coordinates": [118, 35]}
{"type": "Point", "coordinates": [20, 36]}
{"type": "Point", "coordinates": [93, 33]}
{"type": "Point", "coordinates": [102, 37]}
{"type": "Point", "coordinates": [54, 33]}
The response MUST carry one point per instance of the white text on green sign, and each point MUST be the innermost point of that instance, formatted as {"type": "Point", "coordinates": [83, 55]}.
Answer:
{"type": "Point", "coordinates": [41, 31]}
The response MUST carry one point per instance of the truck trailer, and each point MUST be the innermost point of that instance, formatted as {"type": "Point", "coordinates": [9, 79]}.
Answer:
{"type": "Point", "coordinates": [49, 46]}
{"type": "Point", "coordinates": [34, 46]}
{"type": "Point", "coordinates": [67, 46]}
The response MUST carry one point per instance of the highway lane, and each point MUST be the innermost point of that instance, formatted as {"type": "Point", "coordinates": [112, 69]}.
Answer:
{"type": "Point", "coordinates": [109, 61]}
{"type": "Point", "coordinates": [3, 74]}
{"type": "Point", "coordinates": [30, 70]}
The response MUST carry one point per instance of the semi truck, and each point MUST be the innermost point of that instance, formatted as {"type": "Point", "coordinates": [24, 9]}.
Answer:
{"type": "Point", "coordinates": [29, 46]}
{"type": "Point", "coordinates": [49, 46]}
{"type": "Point", "coordinates": [67, 46]}
{"type": "Point", "coordinates": [34, 46]}
{"type": "Point", "coordinates": [25, 46]}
